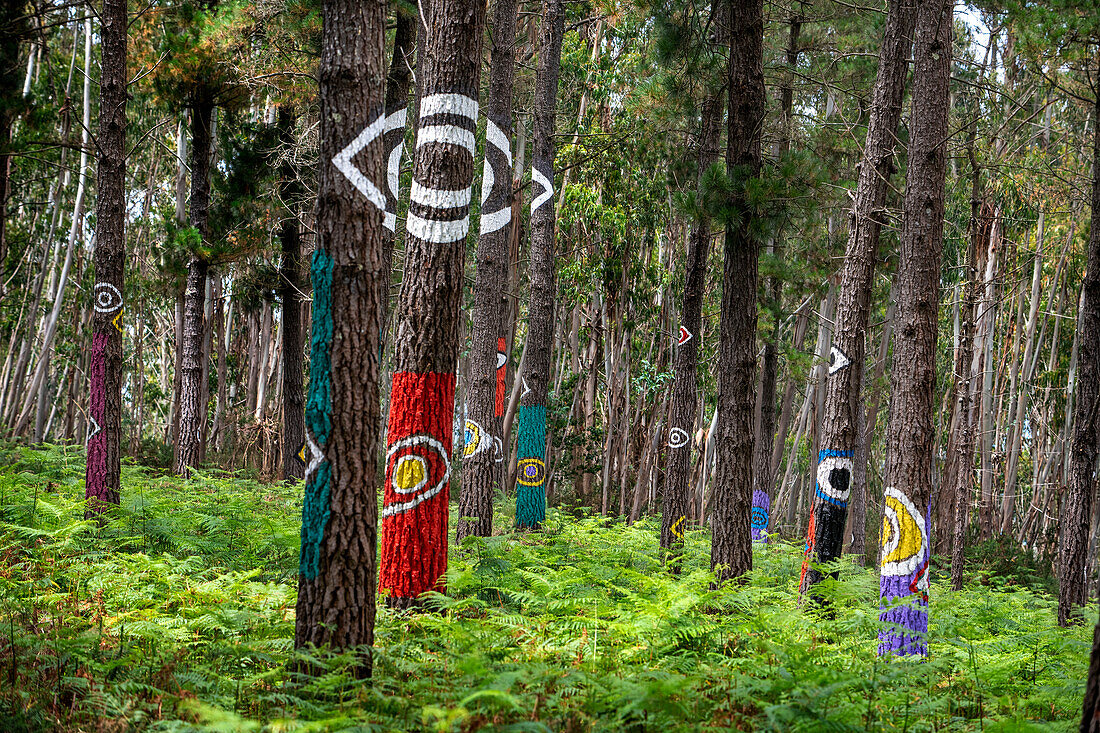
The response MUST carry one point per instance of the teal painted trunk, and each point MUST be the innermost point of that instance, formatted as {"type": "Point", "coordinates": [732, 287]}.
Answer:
{"type": "Point", "coordinates": [315, 504]}
{"type": "Point", "coordinates": [531, 467]}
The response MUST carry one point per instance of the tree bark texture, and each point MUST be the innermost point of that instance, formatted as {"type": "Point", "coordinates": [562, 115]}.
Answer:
{"type": "Point", "coordinates": [911, 433]}
{"type": "Point", "coordinates": [763, 475]}
{"type": "Point", "coordinates": [731, 541]}
{"type": "Point", "coordinates": [290, 286]}
{"type": "Point", "coordinates": [193, 390]}
{"type": "Point", "coordinates": [102, 473]}
{"type": "Point", "coordinates": [840, 429]}
{"type": "Point", "coordinates": [336, 586]}
{"type": "Point", "coordinates": [981, 224]}
{"type": "Point", "coordinates": [397, 102]}
{"type": "Point", "coordinates": [1073, 535]}
{"type": "Point", "coordinates": [531, 447]}
{"type": "Point", "coordinates": [418, 458]}
{"type": "Point", "coordinates": [483, 451]}
{"type": "Point", "coordinates": [1090, 713]}
{"type": "Point", "coordinates": [676, 505]}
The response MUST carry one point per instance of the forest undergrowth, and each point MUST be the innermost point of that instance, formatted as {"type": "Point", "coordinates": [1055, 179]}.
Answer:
{"type": "Point", "coordinates": [178, 615]}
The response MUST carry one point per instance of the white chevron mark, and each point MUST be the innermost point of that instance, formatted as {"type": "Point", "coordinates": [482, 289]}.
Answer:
{"type": "Point", "coordinates": [547, 189]}
{"type": "Point", "coordinates": [342, 161]}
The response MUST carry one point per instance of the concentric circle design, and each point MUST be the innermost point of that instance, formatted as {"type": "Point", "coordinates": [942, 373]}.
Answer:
{"type": "Point", "coordinates": [417, 469]}
{"type": "Point", "coordinates": [678, 438]}
{"type": "Point", "coordinates": [532, 471]}
{"type": "Point", "coordinates": [904, 537]}
{"type": "Point", "coordinates": [834, 479]}
{"type": "Point", "coordinates": [107, 298]}
{"type": "Point", "coordinates": [759, 518]}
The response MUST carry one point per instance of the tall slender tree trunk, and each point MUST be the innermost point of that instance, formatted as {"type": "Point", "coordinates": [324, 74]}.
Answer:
{"type": "Point", "coordinates": [911, 433]}
{"type": "Point", "coordinates": [840, 427]}
{"type": "Point", "coordinates": [418, 468]}
{"type": "Point", "coordinates": [102, 477]}
{"type": "Point", "coordinates": [684, 409]}
{"type": "Point", "coordinates": [1076, 510]}
{"type": "Point", "coordinates": [192, 389]}
{"type": "Point", "coordinates": [397, 102]}
{"type": "Point", "coordinates": [965, 373]}
{"type": "Point", "coordinates": [290, 295]}
{"type": "Point", "coordinates": [531, 464]}
{"type": "Point", "coordinates": [483, 452]}
{"type": "Point", "coordinates": [763, 476]}
{"type": "Point", "coordinates": [731, 541]}
{"type": "Point", "coordinates": [336, 584]}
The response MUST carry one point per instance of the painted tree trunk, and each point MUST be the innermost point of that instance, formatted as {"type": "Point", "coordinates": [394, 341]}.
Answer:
{"type": "Point", "coordinates": [531, 446]}
{"type": "Point", "coordinates": [336, 596]}
{"type": "Point", "coordinates": [192, 390]}
{"type": "Point", "coordinates": [1073, 534]}
{"type": "Point", "coordinates": [1090, 713]}
{"type": "Point", "coordinates": [686, 362]}
{"type": "Point", "coordinates": [910, 433]}
{"type": "Point", "coordinates": [418, 458]}
{"type": "Point", "coordinates": [483, 452]}
{"type": "Point", "coordinates": [840, 432]}
{"type": "Point", "coordinates": [731, 539]}
{"type": "Point", "coordinates": [102, 474]}
{"type": "Point", "coordinates": [290, 295]}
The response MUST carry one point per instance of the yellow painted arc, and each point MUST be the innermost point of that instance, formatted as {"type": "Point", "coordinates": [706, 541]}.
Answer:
{"type": "Point", "coordinates": [907, 541]}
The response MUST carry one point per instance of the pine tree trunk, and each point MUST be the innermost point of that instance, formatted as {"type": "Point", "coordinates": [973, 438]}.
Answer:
{"type": "Point", "coordinates": [420, 435]}
{"type": "Point", "coordinates": [1090, 714]}
{"type": "Point", "coordinates": [531, 464]}
{"type": "Point", "coordinates": [910, 434]}
{"type": "Point", "coordinates": [290, 286]}
{"type": "Point", "coordinates": [763, 476]}
{"type": "Point", "coordinates": [102, 477]}
{"type": "Point", "coordinates": [1073, 535]}
{"type": "Point", "coordinates": [336, 586]}
{"type": "Point", "coordinates": [483, 452]}
{"type": "Point", "coordinates": [686, 362]}
{"type": "Point", "coordinates": [840, 432]}
{"type": "Point", "coordinates": [963, 440]}
{"type": "Point", "coordinates": [192, 390]}
{"type": "Point", "coordinates": [397, 102]}
{"type": "Point", "coordinates": [731, 541]}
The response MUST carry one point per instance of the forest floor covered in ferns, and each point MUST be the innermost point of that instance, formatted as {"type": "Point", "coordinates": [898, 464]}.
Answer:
{"type": "Point", "coordinates": [179, 615]}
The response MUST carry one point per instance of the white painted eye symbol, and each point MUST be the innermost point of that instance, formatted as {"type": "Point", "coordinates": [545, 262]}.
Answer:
{"type": "Point", "coordinates": [107, 298]}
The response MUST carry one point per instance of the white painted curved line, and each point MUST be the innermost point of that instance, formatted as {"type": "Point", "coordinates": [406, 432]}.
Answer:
{"type": "Point", "coordinates": [393, 170]}
{"type": "Point", "coordinates": [392, 509]}
{"type": "Point", "coordinates": [488, 180]}
{"type": "Point", "coordinates": [495, 136]}
{"type": "Point", "coordinates": [448, 104]}
{"type": "Point", "coordinates": [547, 189]}
{"type": "Point", "coordinates": [342, 161]}
{"type": "Point", "coordinates": [316, 457]}
{"type": "Point", "coordinates": [438, 232]}
{"type": "Point", "coordinates": [447, 135]}
{"type": "Point", "coordinates": [496, 220]}
{"type": "Point", "coordinates": [396, 121]}
{"type": "Point", "coordinates": [439, 198]}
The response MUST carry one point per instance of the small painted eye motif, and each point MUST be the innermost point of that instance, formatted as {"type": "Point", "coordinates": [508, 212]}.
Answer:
{"type": "Point", "coordinates": [532, 471]}
{"type": "Point", "coordinates": [107, 298]}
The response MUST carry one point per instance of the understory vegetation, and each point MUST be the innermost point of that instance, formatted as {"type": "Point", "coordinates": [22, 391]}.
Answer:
{"type": "Point", "coordinates": [178, 615]}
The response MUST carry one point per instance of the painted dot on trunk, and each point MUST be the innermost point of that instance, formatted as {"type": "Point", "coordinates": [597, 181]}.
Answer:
{"type": "Point", "coordinates": [532, 472]}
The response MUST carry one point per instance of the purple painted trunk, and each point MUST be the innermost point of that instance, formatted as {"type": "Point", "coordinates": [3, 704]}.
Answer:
{"type": "Point", "coordinates": [903, 585]}
{"type": "Point", "coordinates": [761, 505]}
